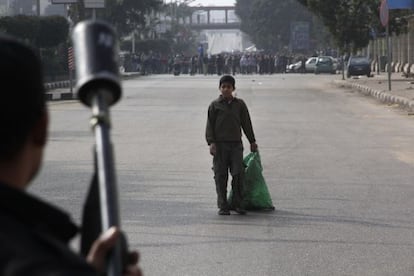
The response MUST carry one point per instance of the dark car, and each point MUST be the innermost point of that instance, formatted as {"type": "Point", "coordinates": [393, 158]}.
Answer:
{"type": "Point", "coordinates": [325, 64]}
{"type": "Point", "coordinates": [358, 66]}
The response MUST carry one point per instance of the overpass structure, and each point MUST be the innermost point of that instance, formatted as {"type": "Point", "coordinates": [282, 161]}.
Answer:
{"type": "Point", "coordinates": [213, 17]}
{"type": "Point", "coordinates": [218, 27]}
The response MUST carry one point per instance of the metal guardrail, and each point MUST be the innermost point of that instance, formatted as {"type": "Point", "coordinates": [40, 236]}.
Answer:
{"type": "Point", "coordinates": [64, 95]}
{"type": "Point", "coordinates": [56, 85]}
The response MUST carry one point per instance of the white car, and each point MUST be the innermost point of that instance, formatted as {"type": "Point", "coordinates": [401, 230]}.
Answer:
{"type": "Point", "coordinates": [310, 64]}
{"type": "Point", "coordinates": [294, 67]}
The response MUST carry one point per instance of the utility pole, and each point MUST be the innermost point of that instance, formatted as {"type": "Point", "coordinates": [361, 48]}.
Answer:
{"type": "Point", "coordinates": [38, 7]}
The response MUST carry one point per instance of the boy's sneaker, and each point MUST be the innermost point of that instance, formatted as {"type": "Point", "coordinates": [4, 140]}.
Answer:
{"type": "Point", "coordinates": [240, 211]}
{"type": "Point", "coordinates": [224, 212]}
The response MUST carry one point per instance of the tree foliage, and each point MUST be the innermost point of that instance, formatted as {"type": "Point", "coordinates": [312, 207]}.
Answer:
{"type": "Point", "coordinates": [41, 32]}
{"type": "Point", "coordinates": [47, 33]}
{"type": "Point", "coordinates": [53, 30]}
{"type": "Point", "coordinates": [268, 22]}
{"type": "Point", "coordinates": [125, 15]}
{"type": "Point", "coordinates": [145, 46]}
{"type": "Point", "coordinates": [353, 22]}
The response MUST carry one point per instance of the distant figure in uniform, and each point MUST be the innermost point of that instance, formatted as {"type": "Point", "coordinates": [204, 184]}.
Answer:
{"type": "Point", "coordinates": [34, 235]}
{"type": "Point", "coordinates": [200, 51]}
{"type": "Point", "coordinates": [303, 64]}
{"type": "Point", "coordinates": [226, 117]}
{"type": "Point", "coordinates": [219, 64]}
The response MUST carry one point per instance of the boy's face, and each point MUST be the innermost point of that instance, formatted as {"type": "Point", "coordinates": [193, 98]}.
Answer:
{"type": "Point", "coordinates": [226, 89]}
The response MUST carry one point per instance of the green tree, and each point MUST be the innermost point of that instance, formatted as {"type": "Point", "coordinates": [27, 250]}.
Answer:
{"type": "Point", "coordinates": [53, 30]}
{"type": "Point", "coordinates": [268, 22]}
{"type": "Point", "coordinates": [344, 21]}
{"type": "Point", "coordinates": [352, 22]}
{"type": "Point", "coordinates": [21, 26]}
{"type": "Point", "coordinates": [125, 15]}
{"type": "Point", "coordinates": [41, 32]}
{"type": "Point", "coordinates": [181, 39]}
{"type": "Point", "coordinates": [48, 34]}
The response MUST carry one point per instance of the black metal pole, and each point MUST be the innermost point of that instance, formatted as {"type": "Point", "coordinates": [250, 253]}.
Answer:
{"type": "Point", "coordinates": [388, 56]}
{"type": "Point", "coordinates": [108, 195]}
{"type": "Point", "coordinates": [38, 7]}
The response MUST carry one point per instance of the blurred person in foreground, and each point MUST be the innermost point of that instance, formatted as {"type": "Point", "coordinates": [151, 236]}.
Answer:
{"type": "Point", "coordinates": [227, 116]}
{"type": "Point", "coordinates": [34, 235]}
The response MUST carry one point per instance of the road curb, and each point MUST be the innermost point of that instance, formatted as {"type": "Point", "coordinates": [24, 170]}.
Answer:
{"type": "Point", "coordinates": [60, 96]}
{"type": "Point", "coordinates": [382, 96]}
{"type": "Point", "coordinates": [64, 96]}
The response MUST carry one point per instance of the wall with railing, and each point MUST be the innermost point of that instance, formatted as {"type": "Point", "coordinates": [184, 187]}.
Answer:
{"type": "Point", "coordinates": [402, 52]}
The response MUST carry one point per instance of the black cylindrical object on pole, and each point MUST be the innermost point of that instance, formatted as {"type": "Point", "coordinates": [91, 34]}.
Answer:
{"type": "Point", "coordinates": [97, 68]}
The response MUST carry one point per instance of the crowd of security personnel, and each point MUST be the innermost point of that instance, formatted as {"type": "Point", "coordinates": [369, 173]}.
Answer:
{"type": "Point", "coordinates": [241, 63]}
{"type": "Point", "coordinates": [224, 63]}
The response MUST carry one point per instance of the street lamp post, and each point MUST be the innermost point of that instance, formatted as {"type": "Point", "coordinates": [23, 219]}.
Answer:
{"type": "Point", "coordinates": [37, 7]}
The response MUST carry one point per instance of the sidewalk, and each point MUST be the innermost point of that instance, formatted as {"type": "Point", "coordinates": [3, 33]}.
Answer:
{"type": "Point", "coordinates": [401, 93]}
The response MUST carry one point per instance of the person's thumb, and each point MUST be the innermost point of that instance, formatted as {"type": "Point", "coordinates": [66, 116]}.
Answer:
{"type": "Point", "coordinates": [101, 247]}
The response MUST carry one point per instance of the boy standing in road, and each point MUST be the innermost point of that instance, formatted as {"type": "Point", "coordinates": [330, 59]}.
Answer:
{"type": "Point", "coordinates": [227, 116]}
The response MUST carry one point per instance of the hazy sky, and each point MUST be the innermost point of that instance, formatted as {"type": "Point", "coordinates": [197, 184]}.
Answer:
{"type": "Point", "coordinates": [213, 2]}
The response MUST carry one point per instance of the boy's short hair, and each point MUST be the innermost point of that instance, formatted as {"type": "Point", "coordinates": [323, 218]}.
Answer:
{"type": "Point", "coordinates": [227, 79]}
{"type": "Point", "coordinates": [22, 94]}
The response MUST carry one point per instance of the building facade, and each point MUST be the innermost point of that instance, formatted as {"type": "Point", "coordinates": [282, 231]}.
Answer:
{"type": "Point", "coordinates": [30, 7]}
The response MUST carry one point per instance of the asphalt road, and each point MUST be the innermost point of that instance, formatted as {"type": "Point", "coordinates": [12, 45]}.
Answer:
{"type": "Point", "coordinates": [339, 167]}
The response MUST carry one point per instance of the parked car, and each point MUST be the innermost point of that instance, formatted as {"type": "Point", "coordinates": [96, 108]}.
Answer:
{"type": "Point", "coordinates": [294, 67]}
{"type": "Point", "coordinates": [325, 64]}
{"type": "Point", "coordinates": [310, 64]}
{"type": "Point", "coordinates": [358, 66]}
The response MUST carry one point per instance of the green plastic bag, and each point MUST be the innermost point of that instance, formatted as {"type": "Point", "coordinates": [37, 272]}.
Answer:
{"type": "Point", "coordinates": [255, 194]}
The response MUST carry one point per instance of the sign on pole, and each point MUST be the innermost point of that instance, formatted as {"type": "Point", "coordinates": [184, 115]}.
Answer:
{"type": "Point", "coordinates": [384, 13]}
{"type": "Point", "coordinates": [64, 1]}
{"type": "Point", "coordinates": [94, 4]}
{"type": "Point", "coordinates": [299, 35]}
{"type": "Point", "coordinates": [400, 4]}
{"type": "Point", "coordinates": [384, 17]}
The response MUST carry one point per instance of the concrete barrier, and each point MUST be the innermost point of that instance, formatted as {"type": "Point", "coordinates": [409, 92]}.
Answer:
{"type": "Point", "coordinates": [393, 65]}
{"type": "Point", "coordinates": [406, 69]}
{"type": "Point", "coordinates": [397, 67]}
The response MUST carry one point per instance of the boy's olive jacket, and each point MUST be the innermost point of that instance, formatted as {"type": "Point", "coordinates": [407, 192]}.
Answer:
{"type": "Point", "coordinates": [225, 120]}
